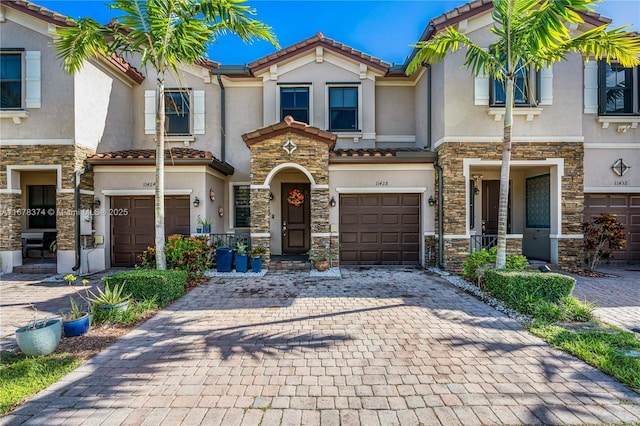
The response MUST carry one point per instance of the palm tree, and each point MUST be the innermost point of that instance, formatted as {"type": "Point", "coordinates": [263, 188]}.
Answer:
{"type": "Point", "coordinates": [528, 33]}
{"type": "Point", "coordinates": [164, 33]}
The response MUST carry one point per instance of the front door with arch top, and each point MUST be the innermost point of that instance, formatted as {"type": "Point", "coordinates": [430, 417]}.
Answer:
{"type": "Point", "coordinates": [296, 218]}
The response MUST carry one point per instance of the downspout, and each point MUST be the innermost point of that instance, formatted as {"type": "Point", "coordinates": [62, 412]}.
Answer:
{"type": "Point", "coordinates": [223, 117]}
{"type": "Point", "coordinates": [76, 193]}
{"type": "Point", "coordinates": [429, 136]}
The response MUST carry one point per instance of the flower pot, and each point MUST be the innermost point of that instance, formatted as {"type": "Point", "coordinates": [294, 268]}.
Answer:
{"type": "Point", "coordinates": [206, 229]}
{"type": "Point", "coordinates": [224, 256]}
{"type": "Point", "coordinates": [241, 262]}
{"type": "Point", "coordinates": [42, 340]}
{"type": "Point", "coordinates": [199, 230]}
{"type": "Point", "coordinates": [76, 327]}
{"type": "Point", "coordinates": [256, 264]}
{"type": "Point", "coordinates": [321, 265]}
{"type": "Point", "coordinates": [122, 306]}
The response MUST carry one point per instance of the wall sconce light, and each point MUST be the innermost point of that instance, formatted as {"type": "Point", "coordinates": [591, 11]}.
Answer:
{"type": "Point", "coordinates": [332, 202]}
{"type": "Point", "coordinates": [476, 191]}
{"type": "Point", "coordinates": [220, 211]}
{"type": "Point", "coordinates": [96, 203]}
{"type": "Point", "coordinates": [196, 202]}
{"type": "Point", "coordinates": [270, 196]}
{"type": "Point", "coordinates": [431, 201]}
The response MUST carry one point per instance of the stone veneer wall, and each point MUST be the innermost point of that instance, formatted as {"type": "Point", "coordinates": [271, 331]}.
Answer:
{"type": "Point", "coordinates": [450, 156]}
{"type": "Point", "coordinates": [71, 158]}
{"type": "Point", "coordinates": [310, 154]}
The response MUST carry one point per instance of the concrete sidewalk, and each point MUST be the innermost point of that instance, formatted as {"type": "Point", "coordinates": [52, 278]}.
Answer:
{"type": "Point", "coordinates": [379, 347]}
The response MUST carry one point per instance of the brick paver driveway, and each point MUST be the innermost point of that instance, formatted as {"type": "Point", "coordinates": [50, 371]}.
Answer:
{"type": "Point", "coordinates": [377, 347]}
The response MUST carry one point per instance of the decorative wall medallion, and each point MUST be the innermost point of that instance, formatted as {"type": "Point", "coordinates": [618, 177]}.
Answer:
{"type": "Point", "coordinates": [289, 146]}
{"type": "Point", "coordinates": [620, 167]}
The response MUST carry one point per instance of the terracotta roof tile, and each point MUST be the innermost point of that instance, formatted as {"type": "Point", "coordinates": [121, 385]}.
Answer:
{"type": "Point", "coordinates": [183, 153]}
{"type": "Point", "coordinates": [38, 12]}
{"type": "Point", "coordinates": [382, 154]}
{"type": "Point", "coordinates": [289, 125]}
{"type": "Point", "coordinates": [312, 42]}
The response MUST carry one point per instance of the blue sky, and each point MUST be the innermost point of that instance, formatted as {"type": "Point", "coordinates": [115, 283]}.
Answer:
{"type": "Point", "coordinates": [382, 28]}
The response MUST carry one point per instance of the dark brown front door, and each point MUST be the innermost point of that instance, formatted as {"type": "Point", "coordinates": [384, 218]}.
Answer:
{"type": "Point", "coordinates": [296, 218]}
{"type": "Point", "coordinates": [133, 225]}
{"type": "Point", "coordinates": [380, 229]}
{"type": "Point", "coordinates": [490, 207]}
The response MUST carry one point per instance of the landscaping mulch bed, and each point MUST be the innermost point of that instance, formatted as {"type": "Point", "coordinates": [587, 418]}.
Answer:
{"type": "Point", "coordinates": [587, 273]}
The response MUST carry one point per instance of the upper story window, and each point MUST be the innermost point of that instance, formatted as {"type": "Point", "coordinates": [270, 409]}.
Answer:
{"type": "Point", "coordinates": [616, 93]}
{"type": "Point", "coordinates": [177, 107]}
{"type": "Point", "coordinates": [294, 101]}
{"type": "Point", "coordinates": [11, 88]}
{"type": "Point", "coordinates": [525, 88]}
{"type": "Point", "coordinates": [343, 108]}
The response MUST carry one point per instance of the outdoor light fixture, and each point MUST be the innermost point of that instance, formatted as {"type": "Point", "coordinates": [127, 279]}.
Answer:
{"type": "Point", "coordinates": [196, 202]}
{"type": "Point", "coordinates": [96, 202]}
{"type": "Point", "coordinates": [544, 268]}
{"type": "Point", "coordinates": [270, 196]}
{"type": "Point", "coordinates": [431, 201]}
{"type": "Point", "coordinates": [477, 177]}
{"type": "Point", "coordinates": [332, 202]}
{"type": "Point", "coordinates": [220, 211]}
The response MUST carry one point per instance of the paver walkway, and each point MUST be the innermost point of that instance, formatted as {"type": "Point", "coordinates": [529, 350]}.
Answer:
{"type": "Point", "coordinates": [617, 296]}
{"type": "Point", "coordinates": [377, 347]}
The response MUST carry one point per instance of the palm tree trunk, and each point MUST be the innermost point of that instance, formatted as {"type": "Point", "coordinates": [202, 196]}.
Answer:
{"type": "Point", "coordinates": [161, 261]}
{"type": "Point", "coordinates": [503, 209]}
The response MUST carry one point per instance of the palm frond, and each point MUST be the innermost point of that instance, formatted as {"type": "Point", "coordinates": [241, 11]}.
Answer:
{"type": "Point", "coordinates": [80, 42]}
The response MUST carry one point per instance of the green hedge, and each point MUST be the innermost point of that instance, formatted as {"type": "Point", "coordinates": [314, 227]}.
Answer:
{"type": "Point", "coordinates": [165, 286]}
{"type": "Point", "coordinates": [520, 288]}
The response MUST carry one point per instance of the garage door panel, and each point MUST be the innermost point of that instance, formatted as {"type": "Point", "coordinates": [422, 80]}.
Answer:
{"type": "Point", "coordinates": [382, 230]}
{"type": "Point", "coordinates": [625, 206]}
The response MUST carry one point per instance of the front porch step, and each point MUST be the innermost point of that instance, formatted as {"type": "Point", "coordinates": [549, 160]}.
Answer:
{"type": "Point", "coordinates": [289, 265]}
{"type": "Point", "coordinates": [36, 268]}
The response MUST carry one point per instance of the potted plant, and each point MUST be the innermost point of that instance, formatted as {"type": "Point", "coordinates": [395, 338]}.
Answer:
{"type": "Point", "coordinates": [111, 298]}
{"type": "Point", "coordinates": [76, 321]}
{"type": "Point", "coordinates": [205, 224]}
{"type": "Point", "coordinates": [39, 337]}
{"type": "Point", "coordinates": [321, 257]}
{"type": "Point", "coordinates": [241, 257]}
{"type": "Point", "coordinates": [255, 255]}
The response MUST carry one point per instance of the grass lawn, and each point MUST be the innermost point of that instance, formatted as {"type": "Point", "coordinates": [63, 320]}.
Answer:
{"type": "Point", "coordinates": [22, 376]}
{"type": "Point", "coordinates": [610, 349]}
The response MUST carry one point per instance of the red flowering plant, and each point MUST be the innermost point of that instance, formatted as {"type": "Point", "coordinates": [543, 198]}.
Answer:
{"type": "Point", "coordinates": [191, 254]}
{"type": "Point", "coordinates": [602, 237]}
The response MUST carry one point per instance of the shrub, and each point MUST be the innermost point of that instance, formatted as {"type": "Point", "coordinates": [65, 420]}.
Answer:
{"type": "Point", "coordinates": [191, 254]}
{"type": "Point", "coordinates": [164, 286]}
{"type": "Point", "coordinates": [478, 262]}
{"type": "Point", "coordinates": [601, 237]}
{"type": "Point", "coordinates": [132, 314]}
{"type": "Point", "coordinates": [523, 289]}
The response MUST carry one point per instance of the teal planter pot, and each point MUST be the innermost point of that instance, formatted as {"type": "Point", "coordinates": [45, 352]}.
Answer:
{"type": "Point", "coordinates": [76, 327]}
{"type": "Point", "coordinates": [122, 306]}
{"type": "Point", "coordinates": [41, 340]}
{"type": "Point", "coordinates": [242, 264]}
{"type": "Point", "coordinates": [224, 258]}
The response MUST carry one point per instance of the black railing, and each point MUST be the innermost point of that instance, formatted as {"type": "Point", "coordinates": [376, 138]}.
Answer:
{"type": "Point", "coordinates": [230, 240]}
{"type": "Point", "coordinates": [485, 241]}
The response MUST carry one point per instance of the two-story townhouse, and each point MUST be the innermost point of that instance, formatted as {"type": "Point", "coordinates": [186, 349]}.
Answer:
{"type": "Point", "coordinates": [321, 144]}
{"type": "Point", "coordinates": [49, 123]}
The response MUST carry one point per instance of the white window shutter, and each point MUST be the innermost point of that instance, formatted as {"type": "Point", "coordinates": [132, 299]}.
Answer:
{"type": "Point", "coordinates": [198, 112]}
{"type": "Point", "coordinates": [591, 87]}
{"type": "Point", "coordinates": [32, 79]}
{"type": "Point", "coordinates": [481, 89]}
{"type": "Point", "coordinates": [546, 86]}
{"type": "Point", "coordinates": [149, 112]}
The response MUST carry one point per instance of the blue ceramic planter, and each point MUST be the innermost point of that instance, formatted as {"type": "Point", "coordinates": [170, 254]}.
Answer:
{"type": "Point", "coordinates": [42, 340]}
{"type": "Point", "coordinates": [256, 264]}
{"type": "Point", "coordinates": [224, 256]}
{"type": "Point", "coordinates": [241, 262]}
{"type": "Point", "coordinates": [76, 327]}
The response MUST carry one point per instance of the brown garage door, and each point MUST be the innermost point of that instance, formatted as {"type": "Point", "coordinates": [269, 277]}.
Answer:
{"type": "Point", "coordinates": [627, 207]}
{"type": "Point", "coordinates": [133, 232]}
{"type": "Point", "coordinates": [380, 229]}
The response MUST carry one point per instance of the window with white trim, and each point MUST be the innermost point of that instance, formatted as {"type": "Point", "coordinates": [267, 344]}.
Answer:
{"type": "Point", "coordinates": [618, 89]}
{"type": "Point", "coordinates": [343, 108]}
{"type": "Point", "coordinates": [526, 83]}
{"type": "Point", "coordinates": [294, 101]}
{"type": "Point", "coordinates": [184, 112]}
{"type": "Point", "coordinates": [11, 82]}
{"type": "Point", "coordinates": [177, 108]}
